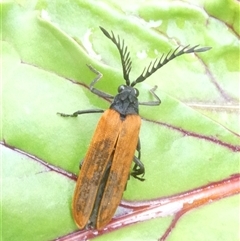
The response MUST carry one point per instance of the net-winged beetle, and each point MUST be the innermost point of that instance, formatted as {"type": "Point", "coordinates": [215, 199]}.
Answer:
{"type": "Point", "coordinates": [106, 167]}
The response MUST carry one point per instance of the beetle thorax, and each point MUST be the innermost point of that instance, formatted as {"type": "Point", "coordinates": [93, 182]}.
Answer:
{"type": "Point", "coordinates": [126, 101]}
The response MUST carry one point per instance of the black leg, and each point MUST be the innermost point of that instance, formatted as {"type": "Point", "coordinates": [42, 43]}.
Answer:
{"type": "Point", "coordinates": [138, 168]}
{"type": "Point", "coordinates": [153, 103]}
{"type": "Point", "coordinates": [80, 112]}
{"type": "Point", "coordinates": [94, 90]}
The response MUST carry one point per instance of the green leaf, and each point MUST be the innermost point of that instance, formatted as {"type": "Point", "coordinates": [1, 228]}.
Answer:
{"type": "Point", "coordinates": [189, 142]}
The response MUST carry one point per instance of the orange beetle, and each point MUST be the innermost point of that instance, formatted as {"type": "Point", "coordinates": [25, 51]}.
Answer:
{"type": "Point", "coordinates": [106, 166]}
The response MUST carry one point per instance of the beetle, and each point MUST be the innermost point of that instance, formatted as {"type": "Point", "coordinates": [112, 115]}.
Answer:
{"type": "Point", "coordinates": [106, 167]}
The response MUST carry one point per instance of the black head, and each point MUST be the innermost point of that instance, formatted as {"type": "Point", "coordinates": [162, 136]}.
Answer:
{"type": "Point", "coordinates": [126, 102]}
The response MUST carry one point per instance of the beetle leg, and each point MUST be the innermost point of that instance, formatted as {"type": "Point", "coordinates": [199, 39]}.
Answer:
{"type": "Point", "coordinates": [80, 164]}
{"type": "Point", "coordinates": [80, 112]}
{"type": "Point", "coordinates": [94, 90]}
{"type": "Point", "coordinates": [138, 168]}
{"type": "Point", "coordinates": [154, 102]}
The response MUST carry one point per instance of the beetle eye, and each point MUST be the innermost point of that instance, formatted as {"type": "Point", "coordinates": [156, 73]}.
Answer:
{"type": "Point", "coordinates": [136, 92]}
{"type": "Point", "coordinates": [121, 88]}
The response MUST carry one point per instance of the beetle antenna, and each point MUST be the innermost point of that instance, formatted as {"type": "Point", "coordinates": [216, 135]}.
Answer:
{"type": "Point", "coordinates": [124, 53]}
{"type": "Point", "coordinates": [158, 63]}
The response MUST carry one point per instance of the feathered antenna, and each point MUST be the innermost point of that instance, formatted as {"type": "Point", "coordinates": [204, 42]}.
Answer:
{"type": "Point", "coordinates": [124, 53]}
{"type": "Point", "coordinates": [158, 63]}
{"type": "Point", "coordinates": [153, 66]}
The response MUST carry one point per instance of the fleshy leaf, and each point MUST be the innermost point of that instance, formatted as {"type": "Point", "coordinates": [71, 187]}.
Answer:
{"type": "Point", "coordinates": [190, 143]}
